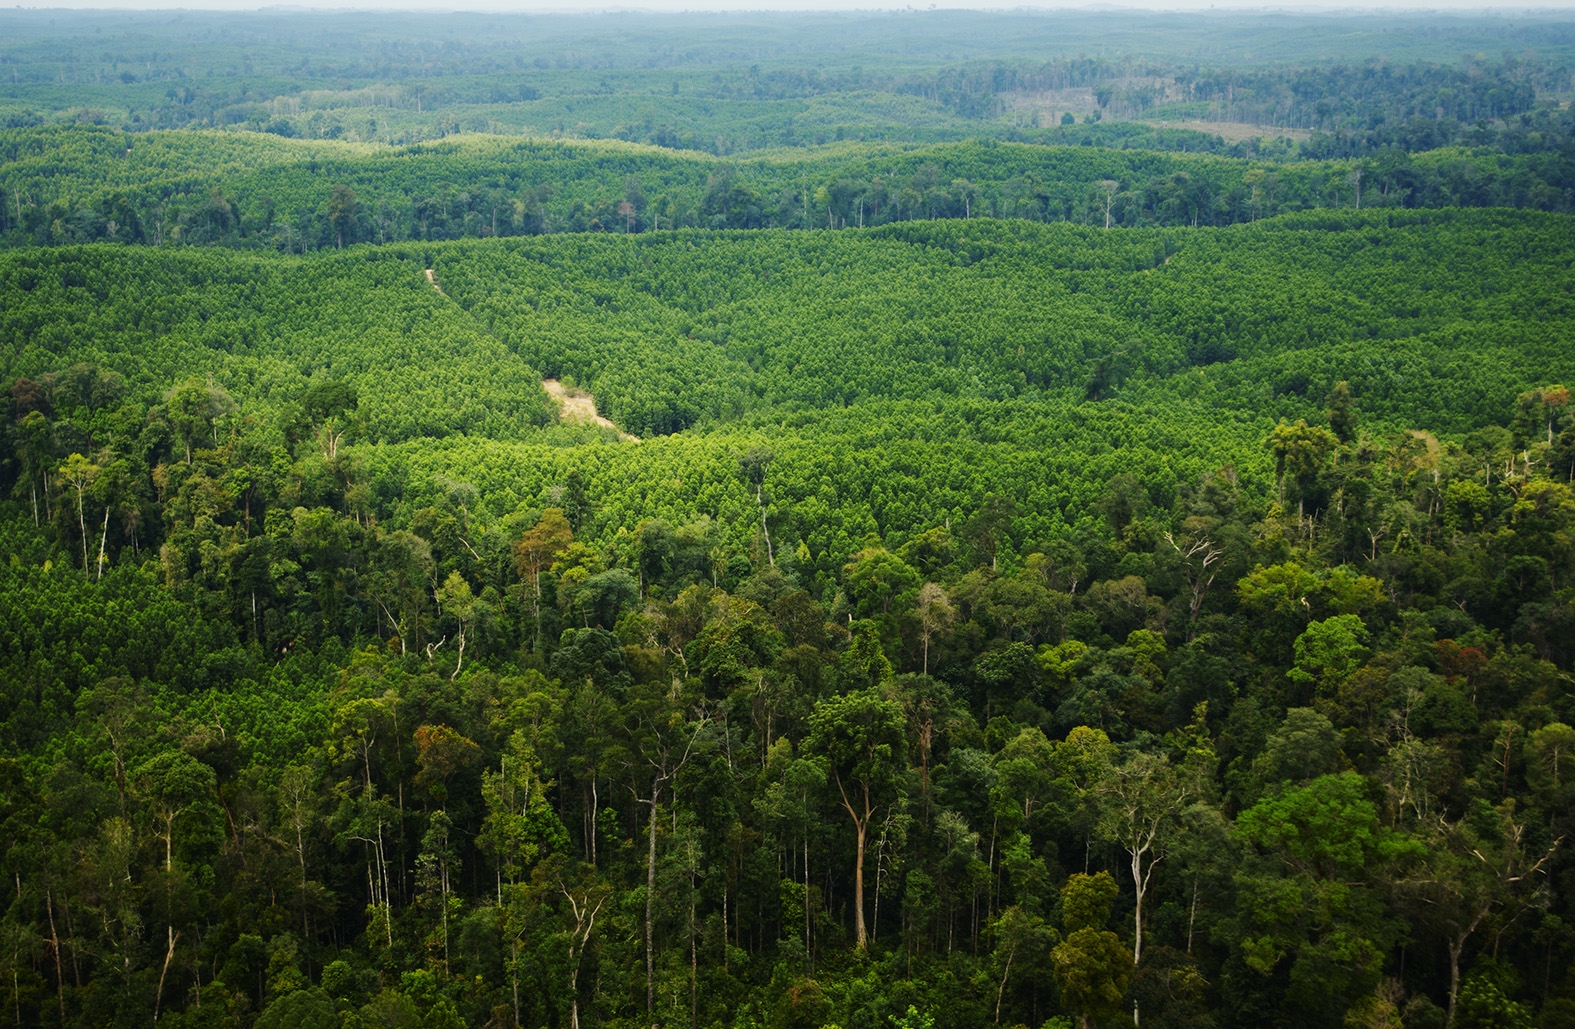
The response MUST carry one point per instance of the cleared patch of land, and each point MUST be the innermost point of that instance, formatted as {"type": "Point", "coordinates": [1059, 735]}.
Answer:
{"type": "Point", "coordinates": [579, 407]}
{"type": "Point", "coordinates": [1233, 131]}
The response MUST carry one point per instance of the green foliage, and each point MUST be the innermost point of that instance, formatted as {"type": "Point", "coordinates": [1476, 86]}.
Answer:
{"type": "Point", "coordinates": [1086, 900]}
{"type": "Point", "coordinates": [1212, 574]}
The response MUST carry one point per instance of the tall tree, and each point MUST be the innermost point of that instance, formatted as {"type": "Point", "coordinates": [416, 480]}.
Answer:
{"type": "Point", "coordinates": [860, 736]}
{"type": "Point", "coordinates": [537, 549]}
{"type": "Point", "coordinates": [1140, 802]}
{"type": "Point", "coordinates": [341, 213]}
{"type": "Point", "coordinates": [79, 473]}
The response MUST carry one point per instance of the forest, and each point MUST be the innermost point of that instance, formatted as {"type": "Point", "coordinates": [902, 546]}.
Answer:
{"type": "Point", "coordinates": [1095, 574]}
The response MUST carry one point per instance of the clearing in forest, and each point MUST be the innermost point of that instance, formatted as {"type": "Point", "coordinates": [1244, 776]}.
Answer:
{"type": "Point", "coordinates": [580, 407]}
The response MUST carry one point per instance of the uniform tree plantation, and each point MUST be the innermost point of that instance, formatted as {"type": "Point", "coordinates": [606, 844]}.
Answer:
{"type": "Point", "coordinates": [1037, 560]}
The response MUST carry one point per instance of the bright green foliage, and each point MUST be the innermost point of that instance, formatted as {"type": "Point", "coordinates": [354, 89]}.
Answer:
{"type": "Point", "coordinates": [1086, 900]}
{"type": "Point", "coordinates": [1092, 967]}
{"type": "Point", "coordinates": [1305, 895]}
{"type": "Point", "coordinates": [303, 1009]}
{"type": "Point", "coordinates": [1329, 651]}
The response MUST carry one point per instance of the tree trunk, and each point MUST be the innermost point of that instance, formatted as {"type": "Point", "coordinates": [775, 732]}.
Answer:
{"type": "Point", "coordinates": [1139, 887]}
{"type": "Point", "coordinates": [103, 539]}
{"type": "Point", "coordinates": [1455, 947]}
{"type": "Point", "coordinates": [1001, 993]}
{"type": "Point", "coordinates": [54, 947]}
{"type": "Point", "coordinates": [158, 996]}
{"type": "Point", "coordinates": [82, 522]}
{"type": "Point", "coordinates": [514, 971]}
{"type": "Point", "coordinates": [650, 897]}
{"type": "Point", "coordinates": [695, 958]}
{"type": "Point", "coordinates": [770, 557]}
{"type": "Point", "coordinates": [809, 954]}
{"type": "Point", "coordinates": [1192, 916]}
{"type": "Point", "coordinates": [860, 933]}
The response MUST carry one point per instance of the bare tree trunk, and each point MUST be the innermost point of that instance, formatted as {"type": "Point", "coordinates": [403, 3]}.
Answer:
{"type": "Point", "coordinates": [695, 957]}
{"type": "Point", "coordinates": [158, 997]}
{"type": "Point", "coordinates": [770, 557]}
{"type": "Point", "coordinates": [1001, 992]}
{"type": "Point", "coordinates": [1192, 916]}
{"type": "Point", "coordinates": [514, 969]}
{"type": "Point", "coordinates": [650, 897]}
{"type": "Point", "coordinates": [860, 933]}
{"type": "Point", "coordinates": [1455, 947]}
{"type": "Point", "coordinates": [103, 539]}
{"type": "Point", "coordinates": [809, 954]}
{"type": "Point", "coordinates": [54, 947]}
{"type": "Point", "coordinates": [82, 521]}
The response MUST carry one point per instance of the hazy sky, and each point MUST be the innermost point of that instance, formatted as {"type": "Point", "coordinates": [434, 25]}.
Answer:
{"type": "Point", "coordinates": [1347, 6]}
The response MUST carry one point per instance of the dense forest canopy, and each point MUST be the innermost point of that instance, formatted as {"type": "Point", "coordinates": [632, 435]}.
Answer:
{"type": "Point", "coordinates": [933, 520]}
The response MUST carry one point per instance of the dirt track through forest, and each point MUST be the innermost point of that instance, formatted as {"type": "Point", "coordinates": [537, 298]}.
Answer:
{"type": "Point", "coordinates": [578, 407]}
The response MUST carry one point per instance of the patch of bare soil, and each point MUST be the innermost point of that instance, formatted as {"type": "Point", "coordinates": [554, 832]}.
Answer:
{"type": "Point", "coordinates": [579, 407]}
{"type": "Point", "coordinates": [1235, 132]}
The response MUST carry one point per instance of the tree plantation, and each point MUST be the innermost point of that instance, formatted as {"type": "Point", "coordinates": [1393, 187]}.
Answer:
{"type": "Point", "coordinates": [931, 581]}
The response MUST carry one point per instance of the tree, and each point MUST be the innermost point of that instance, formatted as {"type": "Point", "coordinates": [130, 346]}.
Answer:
{"type": "Point", "coordinates": [1474, 867]}
{"type": "Point", "coordinates": [456, 597]}
{"type": "Point", "coordinates": [173, 783]}
{"type": "Point", "coordinates": [665, 740]}
{"type": "Point", "coordinates": [521, 830]}
{"type": "Point", "coordinates": [437, 865]}
{"type": "Point", "coordinates": [1091, 966]}
{"type": "Point", "coordinates": [521, 826]}
{"type": "Point", "coordinates": [441, 753]}
{"type": "Point", "coordinates": [875, 578]}
{"type": "Point", "coordinates": [1018, 934]}
{"type": "Point", "coordinates": [992, 526]}
{"type": "Point", "coordinates": [1327, 652]}
{"type": "Point", "coordinates": [936, 614]}
{"type": "Point", "coordinates": [584, 899]}
{"type": "Point", "coordinates": [1307, 891]}
{"type": "Point", "coordinates": [341, 213]}
{"type": "Point", "coordinates": [753, 465]}
{"type": "Point", "coordinates": [1299, 450]}
{"type": "Point", "coordinates": [297, 786]}
{"type": "Point", "coordinates": [300, 1009]}
{"type": "Point", "coordinates": [401, 569]}
{"type": "Point", "coordinates": [36, 445]}
{"type": "Point", "coordinates": [1109, 189]}
{"type": "Point", "coordinates": [1341, 410]}
{"type": "Point", "coordinates": [861, 737]}
{"type": "Point", "coordinates": [1199, 562]}
{"type": "Point", "coordinates": [79, 473]}
{"type": "Point", "coordinates": [1537, 412]}
{"type": "Point", "coordinates": [1140, 802]}
{"type": "Point", "coordinates": [194, 408]}
{"type": "Point", "coordinates": [538, 548]}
